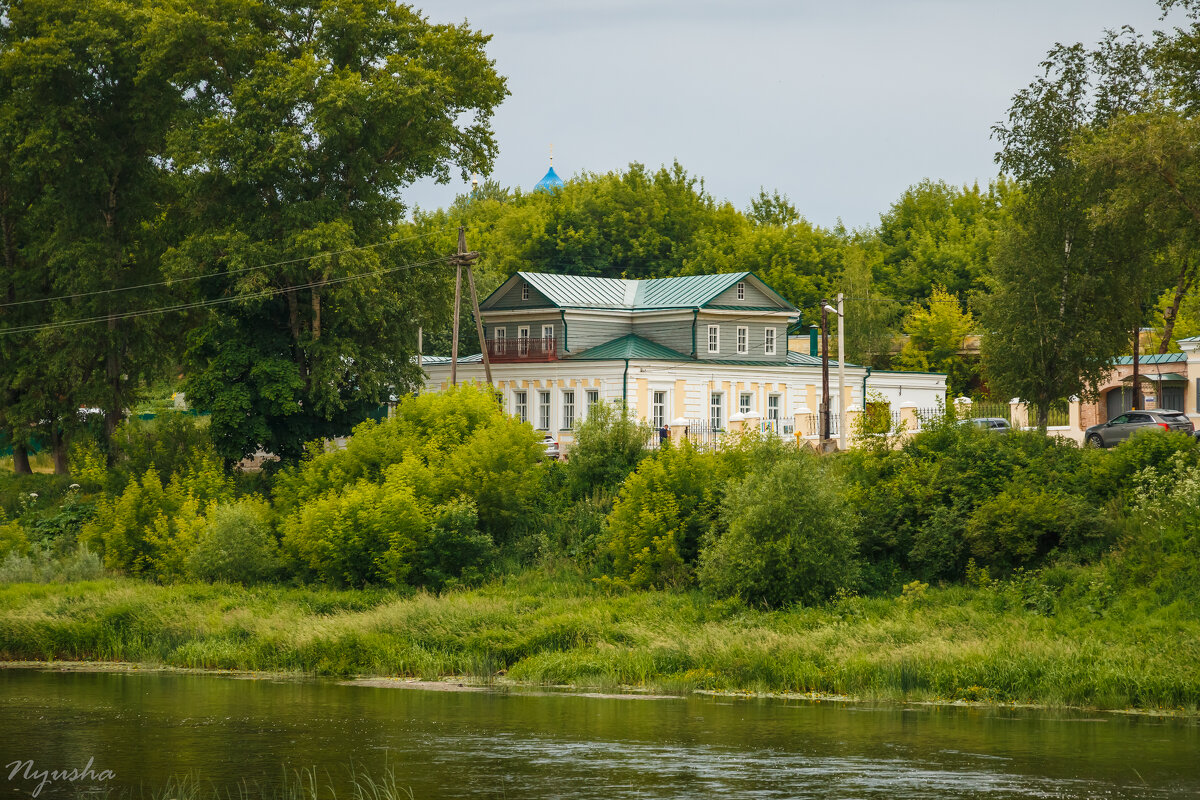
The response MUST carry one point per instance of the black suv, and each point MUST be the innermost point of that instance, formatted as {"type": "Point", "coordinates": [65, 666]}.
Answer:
{"type": "Point", "coordinates": [1122, 426]}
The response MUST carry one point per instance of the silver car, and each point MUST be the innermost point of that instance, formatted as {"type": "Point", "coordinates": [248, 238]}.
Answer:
{"type": "Point", "coordinates": [1122, 426]}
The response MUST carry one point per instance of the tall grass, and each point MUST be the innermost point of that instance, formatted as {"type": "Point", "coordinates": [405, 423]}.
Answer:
{"type": "Point", "coordinates": [295, 785]}
{"type": "Point", "coordinates": [996, 642]}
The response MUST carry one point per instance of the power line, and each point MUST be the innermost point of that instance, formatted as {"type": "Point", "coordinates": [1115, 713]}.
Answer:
{"type": "Point", "coordinates": [72, 323]}
{"type": "Point", "coordinates": [221, 274]}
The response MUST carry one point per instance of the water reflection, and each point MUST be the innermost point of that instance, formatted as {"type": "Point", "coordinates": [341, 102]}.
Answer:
{"type": "Point", "coordinates": [147, 727]}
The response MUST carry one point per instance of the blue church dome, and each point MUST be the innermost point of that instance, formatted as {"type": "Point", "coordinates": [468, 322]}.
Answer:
{"type": "Point", "coordinates": [549, 183]}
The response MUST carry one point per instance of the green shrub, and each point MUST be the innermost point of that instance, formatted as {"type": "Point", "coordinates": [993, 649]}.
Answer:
{"type": "Point", "coordinates": [1022, 526]}
{"type": "Point", "coordinates": [660, 515]}
{"type": "Point", "coordinates": [236, 545]}
{"type": "Point", "coordinates": [149, 529]}
{"type": "Point", "coordinates": [12, 537]}
{"type": "Point", "coordinates": [785, 538]}
{"type": "Point", "coordinates": [457, 444]}
{"type": "Point", "coordinates": [1115, 471]}
{"type": "Point", "coordinates": [172, 443]}
{"type": "Point", "coordinates": [608, 446]}
{"type": "Point", "coordinates": [38, 565]}
{"type": "Point", "coordinates": [457, 551]}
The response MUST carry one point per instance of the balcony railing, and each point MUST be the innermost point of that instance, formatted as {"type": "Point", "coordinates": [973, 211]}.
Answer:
{"type": "Point", "coordinates": [526, 349]}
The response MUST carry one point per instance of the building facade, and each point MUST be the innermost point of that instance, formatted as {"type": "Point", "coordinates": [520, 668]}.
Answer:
{"type": "Point", "coordinates": [708, 351]}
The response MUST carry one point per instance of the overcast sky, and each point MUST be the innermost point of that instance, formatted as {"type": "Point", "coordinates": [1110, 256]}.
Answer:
{"type": "Point", "coordinates": [839, 105]}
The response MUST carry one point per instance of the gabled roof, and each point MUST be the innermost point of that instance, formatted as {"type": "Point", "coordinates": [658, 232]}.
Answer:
{"type": "Point", "coordinates": [689, 291]}
{"type": "Point", "coordinates": [1154, 358]}
{"type": "Point", "coordinates": [630, 346]}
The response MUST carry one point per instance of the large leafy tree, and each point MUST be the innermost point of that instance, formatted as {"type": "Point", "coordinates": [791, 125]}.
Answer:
{"type": "Point", "coordinates": [306, 119]}
{"type": "Point", "coordinates": [1066, 293]}
{"type": "Point", "coordinates": [85, 111]}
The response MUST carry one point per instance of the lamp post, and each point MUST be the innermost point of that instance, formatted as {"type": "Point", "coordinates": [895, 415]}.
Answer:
{"type": "Point", "coordinates": [826, 310]}
{"type": "Point", "coordinates": [841, 312]}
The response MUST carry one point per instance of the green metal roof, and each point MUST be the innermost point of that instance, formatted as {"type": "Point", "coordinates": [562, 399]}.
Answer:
{"type": "Point", "coordinates": [1155, 377]}
{"type": "Point", "coordinates": [630, 346]}
{"type": "Point", "coordinates": [689, 291]}
{"type": "Point", "coordinates": [1155, 358]}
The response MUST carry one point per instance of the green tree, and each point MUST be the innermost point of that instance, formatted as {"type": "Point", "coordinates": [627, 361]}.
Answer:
{"type": "Point", "coordinates": [608, 445]}
{"type": "Point", "coordinates": [870, 316]}
{"type": "Point", "coordinates": [936, 336]}
{"type": "Point", "coordinates": [309, 121]}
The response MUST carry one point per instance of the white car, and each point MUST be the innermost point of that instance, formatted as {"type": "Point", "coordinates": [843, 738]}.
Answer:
{"type": "Point", "coordinates": [551, 446]}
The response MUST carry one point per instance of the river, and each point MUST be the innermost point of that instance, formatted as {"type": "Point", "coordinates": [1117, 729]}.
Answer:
{"type": "Point", "coordinates": [145, 727]}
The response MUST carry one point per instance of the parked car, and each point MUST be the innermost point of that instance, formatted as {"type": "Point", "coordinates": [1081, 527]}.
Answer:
{"type": "Point", "coordinates": [551, 446]}
{"type": "Point", "coordinates": [990, 424]}
{"type": "Point", "coordinates": [1122, 426]}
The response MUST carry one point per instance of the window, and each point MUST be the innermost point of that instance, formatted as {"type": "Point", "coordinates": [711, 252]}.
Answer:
{"type": "Point", "coordinates": [773, 411]}
{"type": "Point", "coordinates": [544, 411]}
{"type": "Point", "coordinates": [658, 408]}
{"type": "Point", "coordinates": [714, 338]}
{"type": "Point", "coordinates": [715, 415]}
{"type": "Point", "coordinates": [593, 398]}
{"type": "Point", "coordinates": [745, 402]}
{"type": "Point", "coordinates": [568, 404]}
{"type": "Point", "coordinates": [524, 291]}
{"type": "Point", "coordinates": [499, 333]}
{"type": "Point", "coordinates": [547, 331]}
{"type": "Point", "coordinates": [523, 340]}
{"type": "Point", "coordinates": [499, 346]}
{"type": "Point", "coordinates": [769, 341]}
{"type": "Point", "coordinates": [741, 289]}
{"type": "Point", "coordinates": [743, 340]}
{"type": "Point", "coordinates": [520, 409]}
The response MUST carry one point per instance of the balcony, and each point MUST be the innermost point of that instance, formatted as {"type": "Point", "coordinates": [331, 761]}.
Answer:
{"type": "Point", "coordinates": [501, 351]}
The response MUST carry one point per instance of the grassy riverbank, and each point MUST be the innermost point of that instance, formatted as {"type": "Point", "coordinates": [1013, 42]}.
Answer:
{"type": "Point", "coordinates": [1003, 642]}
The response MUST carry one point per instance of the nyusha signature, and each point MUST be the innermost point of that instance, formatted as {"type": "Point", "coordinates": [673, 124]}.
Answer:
{"type": "Point", "coordinates": [25, 770]}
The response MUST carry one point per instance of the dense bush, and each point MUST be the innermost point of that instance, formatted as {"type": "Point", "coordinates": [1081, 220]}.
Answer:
{"type": "Point", "coordinates": [150, 529]}
{"type": "Point", "coordinates": [457, 444]}
{"type": "Point", "coordinates": [1022, 526]}
{"type": "Point", "coordinates": [236, 545]}
{"type": "Point", "coordinates": [608, 446]}
{"type": "Point", "coordinates": [660, 515]}
{"type": "Point", "coordinates": [380, 533]}
{"type": "Point", "coordinates": [784, 537]}
{"type": "Point", "coordinates": [172, 443]}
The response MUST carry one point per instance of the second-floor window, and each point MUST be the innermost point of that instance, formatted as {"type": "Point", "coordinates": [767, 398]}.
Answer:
{"type": "Point", "coordinates": [568, 421]}
{"type": "Point", "coordinates": [714, 338]}
{"type": "Point", "coordinates": [524, 291]}
{"type": "Point", "coordinates": [547, 332]}
{"type": "Point", "coordinates": [523, 340]}
{"type": "Point", "coordinates": [544, 411]}
{"type": "Point", "coordinates": [743, 340]}
{"type": "Point", "coordinates": [769, 341]}
{"type": "Point", "coordinates": [520, 406]}
{"type": "Point", "coordinates": [741, 291]}
{"type": "Point", "coordinates": [745, 403]}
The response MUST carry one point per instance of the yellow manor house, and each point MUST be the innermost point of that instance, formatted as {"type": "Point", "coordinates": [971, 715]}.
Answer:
{"type": "Point", "coordinates": [705, 352]}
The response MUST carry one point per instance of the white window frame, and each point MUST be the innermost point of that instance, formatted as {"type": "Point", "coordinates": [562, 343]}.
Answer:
{"type": "Point", "coordinates": [714, 338]}
{"type": "Point", "coordinates": [774, 404]}
{"type": "Point", "coordinates": [523, 340]}
{"type": "Point", "coordinates": [769, 341]}
{"type": "Point", "coordinates": [521, 405]}
{"type": "Point", "coordinates": [545, 410]}
{"type": "Point", "coordinates": [592, 398]}
{"type": "Point", "coordinates": [716, 410]}
{"type": "Point", "coordinates": [743, 340]}
{"type": "Point", "coordinates": [745, 403]}
{"type": "Point", "coordinates": [741, 290]}
{"type": "Point", "coordinates": [658, 411]}
{"type": "Point", "coordinates": [524, 291]}
{"type": "Point", "coordinates": [568, 409]}
{"type": "Point", "coordinates": [499, 333]}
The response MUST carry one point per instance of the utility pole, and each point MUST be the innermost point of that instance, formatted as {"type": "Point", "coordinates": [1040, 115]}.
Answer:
{"type": "Point", "coordinates": [1137, 347]}
{"type": "Point", "coordinates": [464, 259]}
{"type": "Point", "coordinates": [824, 420]}
{"type": "Point", "coordinates": [841, 317]}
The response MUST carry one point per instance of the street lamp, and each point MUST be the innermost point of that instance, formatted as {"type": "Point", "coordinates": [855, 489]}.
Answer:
{"type": "Point", "coordinates": [826, 310]}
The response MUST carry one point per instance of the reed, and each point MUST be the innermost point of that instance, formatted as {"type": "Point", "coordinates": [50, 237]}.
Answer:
{"type": "Point", "coordinates": [991, 643]}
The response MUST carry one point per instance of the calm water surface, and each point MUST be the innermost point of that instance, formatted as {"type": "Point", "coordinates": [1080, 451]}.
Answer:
{"type": "Point", "coordinates": [148, 727]}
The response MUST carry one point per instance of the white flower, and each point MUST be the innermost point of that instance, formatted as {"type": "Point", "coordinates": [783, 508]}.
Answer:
{"type": "Point", "coordinates": [73, 486]}
{"type": "Point", "coordinates": [33, 495]}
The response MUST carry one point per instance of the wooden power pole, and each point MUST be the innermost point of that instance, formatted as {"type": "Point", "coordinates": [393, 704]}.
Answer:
{"type": "Point", "coordinates": [460, 260]}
